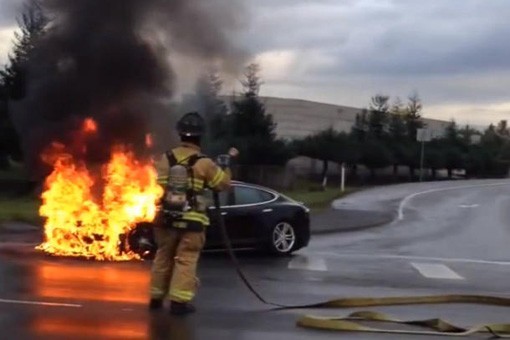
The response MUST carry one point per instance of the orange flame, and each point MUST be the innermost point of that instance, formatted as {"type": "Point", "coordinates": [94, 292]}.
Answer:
{"type": "Point", "coordinates": [148, 140]}
{"type": "Point", "coordinates": [80, 225]}
{"type": "Point", "coordinates": [90, 125]}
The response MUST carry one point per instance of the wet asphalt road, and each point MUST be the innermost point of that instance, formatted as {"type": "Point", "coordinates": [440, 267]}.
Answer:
{"type": "Point", "coordinates": [453, 241]}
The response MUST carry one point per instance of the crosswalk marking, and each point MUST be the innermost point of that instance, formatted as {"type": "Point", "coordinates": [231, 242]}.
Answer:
{"type": "Point", "coordinates": [436, 271]}
{"type": "Point", "coordinates": [304, 262]}
{"type": "Point", "coordinates": [374, 257]}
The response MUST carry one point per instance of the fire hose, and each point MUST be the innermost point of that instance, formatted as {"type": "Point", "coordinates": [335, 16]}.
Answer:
{"type": "Point", "coordinates": [353, 322]}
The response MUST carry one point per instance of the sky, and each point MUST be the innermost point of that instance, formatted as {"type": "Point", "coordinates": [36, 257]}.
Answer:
{"type": "Point", "coordinates": [454, 53]}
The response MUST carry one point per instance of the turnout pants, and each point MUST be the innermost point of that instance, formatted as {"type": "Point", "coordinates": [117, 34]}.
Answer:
{"type": "Point", "coordinates": [174, 268]}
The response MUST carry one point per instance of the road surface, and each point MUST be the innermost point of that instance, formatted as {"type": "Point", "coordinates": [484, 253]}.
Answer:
{"type": "Point", "coordinates": [442, 241]}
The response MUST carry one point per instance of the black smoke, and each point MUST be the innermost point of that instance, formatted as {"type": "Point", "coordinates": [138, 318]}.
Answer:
{"type": "Point", "coordinates": [111, 60]}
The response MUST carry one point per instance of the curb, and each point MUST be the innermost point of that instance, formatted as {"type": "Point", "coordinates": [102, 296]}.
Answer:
{"type": "Point", "coordinates": [354, 218]}
{"type": "Point", "coordinates": [361, 227]}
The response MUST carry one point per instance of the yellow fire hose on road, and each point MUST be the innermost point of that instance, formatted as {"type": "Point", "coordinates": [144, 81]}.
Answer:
{"type": "Point", "coordinates": [352, 322]}
{"type": "Point", "coordinates": [437, 327]}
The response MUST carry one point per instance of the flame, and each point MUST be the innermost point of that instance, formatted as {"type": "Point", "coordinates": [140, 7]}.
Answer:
{"type": "Point", "coordinates": [90, 125]}
{"type": "Point", "coordinates": [81, 224]}
{"type": "Point", "coordinates": [148, 140]}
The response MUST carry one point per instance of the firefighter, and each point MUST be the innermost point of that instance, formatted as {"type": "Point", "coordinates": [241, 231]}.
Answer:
{"type": "Point", "coordinates": [180, 234]}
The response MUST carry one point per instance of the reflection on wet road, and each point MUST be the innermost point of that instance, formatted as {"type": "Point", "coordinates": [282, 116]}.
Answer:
{"type": "Point", "coordinates": [64, 299]}
{"type": "Point", "coordinates": [92, 282]}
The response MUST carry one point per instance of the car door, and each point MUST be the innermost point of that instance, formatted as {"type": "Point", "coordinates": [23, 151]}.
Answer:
{"type": "Point", "coordinates": [249, 214]}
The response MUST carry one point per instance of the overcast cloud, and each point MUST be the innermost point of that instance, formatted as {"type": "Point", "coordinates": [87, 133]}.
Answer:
{"type": "Point", "coordinates": [454, 53]}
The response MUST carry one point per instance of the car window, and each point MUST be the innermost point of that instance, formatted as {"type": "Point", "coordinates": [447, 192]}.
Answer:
{"type": "Point", "coordinates": [246, 195]}
{"type": "Point", "coordinates": [225, 200]}
{"type": "Point", "coordinates": [266, 196]}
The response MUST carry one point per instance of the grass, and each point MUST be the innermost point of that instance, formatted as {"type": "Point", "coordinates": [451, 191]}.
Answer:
{"type": "Point", "coordinates": [16, 173]}
{"type": "Point", "coordinates": [14, 208]}
{"type": "Point", "coordinates": [317, 199]}
{"type": "Point", "coordinates": [24, 209]}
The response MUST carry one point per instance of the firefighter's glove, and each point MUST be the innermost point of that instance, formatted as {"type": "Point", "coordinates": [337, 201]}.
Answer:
{"type": "Point", "coordinates": [223, 161]}
{"type": "Point", "coordinates": [233, 152]}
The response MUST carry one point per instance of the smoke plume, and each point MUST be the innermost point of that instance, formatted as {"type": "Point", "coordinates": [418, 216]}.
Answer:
{"type": "Point", "coordinates": [111, 60]}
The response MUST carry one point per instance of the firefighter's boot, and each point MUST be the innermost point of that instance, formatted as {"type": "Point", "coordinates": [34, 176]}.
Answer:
{"type": "Point", "coordinates": [155, 304]}
{"type": "Point", "coordinates": [179, 308]}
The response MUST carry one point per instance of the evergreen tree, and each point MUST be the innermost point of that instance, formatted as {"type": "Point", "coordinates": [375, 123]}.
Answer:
{"type": "Point", "coordinates": [328, 146]}
{"type": "Point", "coordinates": [375, 155]}
{"type": "Point", "coordinates": [502, 129]}
{"type": "Point", "coordinates": [251, 128]}
{"type": "Point", "coordinates": [397, 135]}
{"type": "Point", "coordinates": [378, 116]}
{"type": "Point", "coordinates": [397, 126]}
{"type": "Point", "coordinates": [413, 116]}
{"type": "Point", "coordinates": [434, 157]}
{"type": "Point", "coordinates": [322, 146]}
{"type": "Point", "coordinates": [452, 144]}
{"type": "Point", "coordinates": [413, 122]}
{"type": "Point", "coordinates": [360, 128]}
{"type": "Point", "coordinates": [32, 24]}
{"type": "Point", "coordinates": [13, 78]}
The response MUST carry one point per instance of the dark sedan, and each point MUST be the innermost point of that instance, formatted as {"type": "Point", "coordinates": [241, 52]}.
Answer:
{"type": "Point", "coordinates": [255, 217]}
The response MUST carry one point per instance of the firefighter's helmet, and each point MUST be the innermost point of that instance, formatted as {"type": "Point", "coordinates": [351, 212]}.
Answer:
{"type": "Point", "coordinates": [191, 125]}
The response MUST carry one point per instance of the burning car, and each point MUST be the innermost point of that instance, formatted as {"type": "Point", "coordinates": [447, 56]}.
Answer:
{"type": "Point", "coordinates": [106, 213]}
{"type": "Point", "coordinates": [255, 217]}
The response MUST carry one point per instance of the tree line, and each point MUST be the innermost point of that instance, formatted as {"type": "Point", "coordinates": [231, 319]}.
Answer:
{"type": "Point", "coordinates": [385, 135]}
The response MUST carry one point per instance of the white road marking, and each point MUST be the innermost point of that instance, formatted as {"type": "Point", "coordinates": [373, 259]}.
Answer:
{"type": "Point", "coordinates": [40, 303]}
{"type": "Point", "coordinates": [467, 206]}
{"type": "Point", "coordinates": [304, 262]}
{"type": "Point", "coordinates": [408, 198]}
{"type": "Point", "coordinates": [436, 271]}
{"type": "Point", "coordinates": [410, 258]}
{"type": "Point", "coordinates": [314, 279]}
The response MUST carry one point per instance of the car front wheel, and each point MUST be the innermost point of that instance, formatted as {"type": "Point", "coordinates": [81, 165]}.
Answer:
{"type": "Point", "coordinates": [141, 241]}
{"type": "Point", "coordinates": [283, 239]}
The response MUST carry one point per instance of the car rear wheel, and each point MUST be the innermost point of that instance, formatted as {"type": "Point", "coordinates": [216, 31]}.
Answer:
{"type": "Point", "coordinates": [283, 239]}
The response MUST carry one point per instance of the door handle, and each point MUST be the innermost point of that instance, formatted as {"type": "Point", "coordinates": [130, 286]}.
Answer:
{"type": "Point", "coordinates": [267, 210]}
{"type": "Point", "coordinates": [224, 213]}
